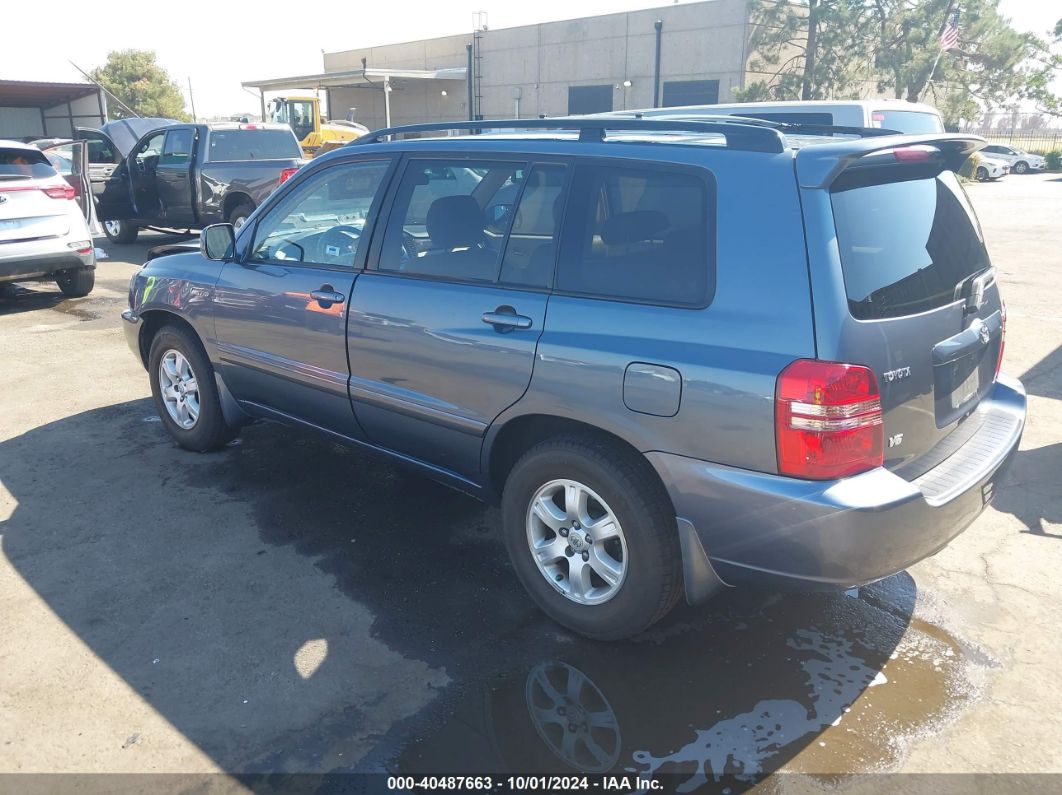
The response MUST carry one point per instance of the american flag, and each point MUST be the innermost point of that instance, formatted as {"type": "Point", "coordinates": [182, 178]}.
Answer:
{"type": "Point", "coordinates": [950, 36]}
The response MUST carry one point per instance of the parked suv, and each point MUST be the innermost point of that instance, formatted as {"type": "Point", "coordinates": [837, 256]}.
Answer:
{"type": "Point", "coordinates": [674, 378]}
{"type": "Point", "coordinates": [46, 215]}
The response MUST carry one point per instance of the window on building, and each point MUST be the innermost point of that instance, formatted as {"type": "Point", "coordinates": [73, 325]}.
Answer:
{"type": "Point", "coordinates": [690, 92]}
{"type": "Point", "coordinates": [639, 234]}
{"type": "Point", "coordinates": [589, 99]}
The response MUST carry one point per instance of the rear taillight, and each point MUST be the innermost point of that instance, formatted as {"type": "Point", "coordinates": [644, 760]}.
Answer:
{"type": "Point", "coordinates": [1002, 338]}
{"type": "Point", "coordinates": [827, 419]}
{"type": "Point", "coordinates": [60, 191]}
{"type": "Point", "coordinates": [287, 174]}
{"type": "Point", "coordinates": [915, 154]}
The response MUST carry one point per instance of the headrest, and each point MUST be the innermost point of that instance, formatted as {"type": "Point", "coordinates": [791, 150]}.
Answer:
{"type": "Point", "coordinates": [454, 222]}
{"type": "Point", "coordinates": [633, 227]}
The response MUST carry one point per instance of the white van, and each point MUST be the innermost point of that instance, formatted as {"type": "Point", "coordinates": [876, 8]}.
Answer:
{"type": "Point", "coordinates": [889, 114]}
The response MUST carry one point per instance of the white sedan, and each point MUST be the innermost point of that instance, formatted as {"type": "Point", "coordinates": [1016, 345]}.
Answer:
{"type": "Point", "coordinates": [1020, 162]}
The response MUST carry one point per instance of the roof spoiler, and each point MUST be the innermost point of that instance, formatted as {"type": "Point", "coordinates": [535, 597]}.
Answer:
{"type": "Point", "coordinates": [818, 166]}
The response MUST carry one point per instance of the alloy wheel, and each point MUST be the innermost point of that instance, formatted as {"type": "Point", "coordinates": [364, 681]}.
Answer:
{"type": "Point", "coordinates": [179, 388]}
{"type": "Point", "coordinates": [576, 541]}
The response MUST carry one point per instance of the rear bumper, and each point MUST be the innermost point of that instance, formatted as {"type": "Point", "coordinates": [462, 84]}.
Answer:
{"type": "Point", "coordinates": [780, 531]}
{"type": "Point", "coordinates": [36, 258]}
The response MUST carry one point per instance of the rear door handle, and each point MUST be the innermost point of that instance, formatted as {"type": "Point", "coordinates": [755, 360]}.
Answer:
{"type": "Point", "coordinates": [504, 318]}
{"type": "Point", "coordinates": [327, 296]}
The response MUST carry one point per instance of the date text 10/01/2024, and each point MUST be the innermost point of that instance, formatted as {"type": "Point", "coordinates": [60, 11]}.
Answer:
{"type": "Point", "coordinates": [523, 783]}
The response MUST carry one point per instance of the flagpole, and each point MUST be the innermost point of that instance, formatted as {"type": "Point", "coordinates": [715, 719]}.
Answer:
{"type": "Point", "coordinates": [933, 71]}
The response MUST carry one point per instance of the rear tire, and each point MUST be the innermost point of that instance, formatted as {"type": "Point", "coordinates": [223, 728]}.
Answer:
{"type": "Point", "coordinates": [77, 283]}
{"type": "Point", "coordinates": [619, 483]}
{"type": "Point", "coordinates": [982, 174]}
{"type": "Point", "coordinates": [204, 427]}
{"type": "Point", "coordinates": [239, 215]}
{"type": "Point", "coordinates": [121, 231]}
{"type": "Point", "coordinates": [1021, 167]}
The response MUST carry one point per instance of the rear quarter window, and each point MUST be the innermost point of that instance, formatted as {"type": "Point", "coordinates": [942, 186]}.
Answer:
{"type": "Point", "coordinates": [640, 234]}
{"type": "Point", "coordinates": [229, 145]}
{"type": "Point", "coordinates": [906, 246]}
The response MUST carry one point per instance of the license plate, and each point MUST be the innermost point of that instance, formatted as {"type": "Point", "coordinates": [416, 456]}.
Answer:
{"type": "Point", "coordinates": [14, 223]}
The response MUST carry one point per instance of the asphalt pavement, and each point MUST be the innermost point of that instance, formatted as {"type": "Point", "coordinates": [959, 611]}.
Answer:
{"type": "Point", "coordinates": [289, 605]}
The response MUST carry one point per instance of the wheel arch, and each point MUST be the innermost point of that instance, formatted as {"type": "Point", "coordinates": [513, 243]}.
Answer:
{"type": "Point", "coordinates": [151, 321]}
{"type": "Point", "coordinates": [233, 200]}
{"type": "Point", "coordinates": [516, 436]}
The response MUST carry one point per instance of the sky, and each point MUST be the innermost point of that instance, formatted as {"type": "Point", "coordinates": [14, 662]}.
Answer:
{"type": "Point", "coordinates": [219, 44]}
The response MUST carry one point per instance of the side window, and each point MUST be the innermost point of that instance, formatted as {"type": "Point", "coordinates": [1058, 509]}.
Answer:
{"type": "Point", "coordinates": [531, 251]}
{"type": "Point", "coordinates": [321, 222]}
{"type": "Point", "coordinates": [639, 234]}
{"type": "Point", "coordinates": [177, 150]}
{"type": "Point", "coordinates": [152, 147]}
{"type": "Point", "coordinates": [450, 219]}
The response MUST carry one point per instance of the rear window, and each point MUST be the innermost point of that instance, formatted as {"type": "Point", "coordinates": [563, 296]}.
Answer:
{"type": "Point", "coordinates": [906, 246]}
{"type": "Point", "coordinates": [24, 164]}
{"type": "Point", "coordinates": [909, 122]}
{"type": "Point", "coordinates": [252, 145]}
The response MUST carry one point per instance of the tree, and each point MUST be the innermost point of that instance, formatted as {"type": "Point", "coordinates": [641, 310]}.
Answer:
{"type": "Point", "coordinates": [818, 49]}
{"type": "Point", "coordinates": [136, 79]}
{"type": "Point", "coordinates": [807, 50]}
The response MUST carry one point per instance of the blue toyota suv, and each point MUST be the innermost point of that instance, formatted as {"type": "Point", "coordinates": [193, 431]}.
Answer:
{"type": "Point", "coordinates": [682, 354]}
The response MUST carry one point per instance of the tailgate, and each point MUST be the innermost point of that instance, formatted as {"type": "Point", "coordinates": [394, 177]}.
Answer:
{"type": "Point", "coordinates": [923, 308]}
{"type": "Point", "coordinates": [27, 213]}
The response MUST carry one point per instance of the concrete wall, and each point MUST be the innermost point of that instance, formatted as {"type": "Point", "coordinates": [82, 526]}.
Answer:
{"type": "Point", "coordinates": [699, 41]}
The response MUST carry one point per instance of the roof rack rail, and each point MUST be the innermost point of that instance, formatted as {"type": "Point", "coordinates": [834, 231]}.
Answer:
{"type": "Point", "coordinates": [744, 134]}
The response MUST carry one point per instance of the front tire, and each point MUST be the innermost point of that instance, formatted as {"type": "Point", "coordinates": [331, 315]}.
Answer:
{"type": "Point", "coordinates": [185, 394]}
{"type": "Point", "coordinates": [592, 537]}
{"type": "Point", "coordinates": [77, 283]}
{"type": "Point", "coordinates": [121, 231]}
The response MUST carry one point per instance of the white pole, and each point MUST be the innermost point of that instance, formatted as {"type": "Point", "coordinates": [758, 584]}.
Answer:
{"type": "Point", "coordinates": [387, 101]}
{"type": "Point", "coordinates": [932, 72]}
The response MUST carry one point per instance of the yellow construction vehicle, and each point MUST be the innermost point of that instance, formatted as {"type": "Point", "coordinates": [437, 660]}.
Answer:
{"type": "Point", "coordinates": [303, 115]}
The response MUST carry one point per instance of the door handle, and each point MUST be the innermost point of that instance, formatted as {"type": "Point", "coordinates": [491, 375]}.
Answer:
{"type": "Point", "coordinates": [327, 296]}
{"type": "Point", "coordinates": [504, 318]}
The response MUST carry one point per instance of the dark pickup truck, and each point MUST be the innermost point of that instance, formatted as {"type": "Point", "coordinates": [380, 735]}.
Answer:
{"type": "Point", "coordinates": [188, 176]}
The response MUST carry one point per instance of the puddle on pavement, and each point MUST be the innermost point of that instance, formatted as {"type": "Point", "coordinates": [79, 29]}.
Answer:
{"type": "Point", "coordinates": [831, 684]}
{"type": "Point", "coordinates": [818, 684]}
{"type": "Point", "coordinates": [25, 299]}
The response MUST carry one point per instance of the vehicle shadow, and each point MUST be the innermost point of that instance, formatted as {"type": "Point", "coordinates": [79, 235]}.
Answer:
{"type": "Point", "coordinates": [1031, 492]}
{"type": "Point", "coordinates": [1045, 377]}
{"type": "Point", "coordinates": [17, 298]}
{"type": "Point", "coordinates": [291, 606]}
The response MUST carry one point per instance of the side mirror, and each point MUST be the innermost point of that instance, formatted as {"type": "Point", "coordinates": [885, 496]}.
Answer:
{"type": "Point", "coordinates": [218, 242]}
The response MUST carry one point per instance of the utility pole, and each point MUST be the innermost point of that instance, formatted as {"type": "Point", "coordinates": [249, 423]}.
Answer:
{"type": "Point", "coordinates": [191, 99]}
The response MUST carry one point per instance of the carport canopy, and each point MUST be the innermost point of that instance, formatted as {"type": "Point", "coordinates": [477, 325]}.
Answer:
{"type": "Point", "coordinates": [371, 78]}
{"type": "Point", "coordinates": [29, 94]}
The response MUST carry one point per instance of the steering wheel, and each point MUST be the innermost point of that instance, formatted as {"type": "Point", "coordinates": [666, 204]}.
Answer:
{"type": "Point", "coordinates": [409, 246]}
{"type": "Point", "coordinates": [338, 244]}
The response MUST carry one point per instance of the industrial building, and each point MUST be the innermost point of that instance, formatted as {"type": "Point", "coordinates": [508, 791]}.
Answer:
{"type": "Point", "coordinates": [691, 53]}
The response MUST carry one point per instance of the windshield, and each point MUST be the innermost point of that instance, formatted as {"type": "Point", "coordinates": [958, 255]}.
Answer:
{"type": "Point", "coordinates": [297, 114]}
{"type": "Point", "coordinates": [24, 164]}
{"type": "Point", "coordinates": [906, 246]}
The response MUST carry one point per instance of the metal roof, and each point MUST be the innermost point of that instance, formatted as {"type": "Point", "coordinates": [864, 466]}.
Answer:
{"type": "Point", "coordinates": [29, 94]}
{"type": "Point", "coordinates": [356, 78]}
